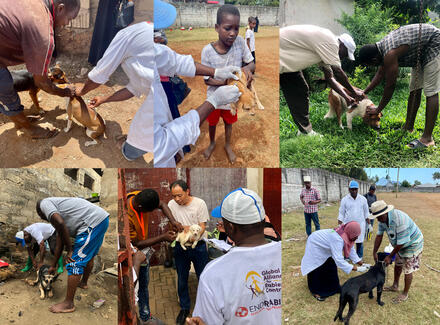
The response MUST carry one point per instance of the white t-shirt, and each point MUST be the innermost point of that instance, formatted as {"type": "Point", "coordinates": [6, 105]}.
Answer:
{"type": "Point", "coordinates": [40, 231]}
{"type": "Point", "coordinates": [304, 45]}
{"type": "Point", "coordinates": [133, 49]}
{"type": "Point", "coordinates": [323, 244]}
{"type": "Point", "coordinates": [250, 35]}
{"type": "Point", "coordinates": [195, 212]}
{"type": "Point", "coordinates": [242, 287]}
{"type": "Point", "coordinates": [354, 210]}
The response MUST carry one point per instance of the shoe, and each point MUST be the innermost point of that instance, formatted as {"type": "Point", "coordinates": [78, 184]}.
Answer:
{"type": "Point", "coordinates": [152, 321]}
{"type": "Point", "coordinates": [181, 318]}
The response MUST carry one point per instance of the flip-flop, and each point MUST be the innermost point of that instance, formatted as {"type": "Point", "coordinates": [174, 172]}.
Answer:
{"type": "Point", "coordinates": [391, 288]}
{"type": "Point", "coordinates": [416, 144]}
{"type": "Point", "coordinates": [399, 299]}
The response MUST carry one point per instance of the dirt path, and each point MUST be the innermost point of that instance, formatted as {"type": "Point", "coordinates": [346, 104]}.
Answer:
{"type": "Point", "coordinates": [255, 139]}
{"type": "Point", "coordinates": [20, 304]}
{"type": "Point", "coordinates": [67, 149]}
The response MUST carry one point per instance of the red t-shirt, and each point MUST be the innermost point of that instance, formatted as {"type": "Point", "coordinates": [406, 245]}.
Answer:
{"type": "Point", "coordinates": [26, 35]}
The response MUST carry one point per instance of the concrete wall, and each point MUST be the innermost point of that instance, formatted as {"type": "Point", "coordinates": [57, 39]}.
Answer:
{"type": "Point", "coordinates": [77, 37]}
{"type": "Point", "coordinates": [317, 12]}
{"type": "Point", "coordinates": [21, 188]}
{"type": "Point", "coordinates": [332, 187]}
{"type": "Point", "coordinates": [205, 15]}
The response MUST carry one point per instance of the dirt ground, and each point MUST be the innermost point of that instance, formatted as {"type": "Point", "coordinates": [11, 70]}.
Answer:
{"type": "Point", "coordinates": [255, 139]}
{"type": "Point", "coordinates": [423, 304]}
{"type": "Point", "coordinates": [20, 303]}
{"type": "Point", "coordinates": [67, 149]}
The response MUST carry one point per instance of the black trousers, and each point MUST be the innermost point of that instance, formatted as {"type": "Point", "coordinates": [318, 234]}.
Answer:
{"type": "Point", "coordinates": [296, 91]}
{"type": "Point", "coordinates": [324, 280]}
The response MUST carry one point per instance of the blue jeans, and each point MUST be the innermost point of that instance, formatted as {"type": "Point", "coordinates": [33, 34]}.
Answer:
{"type": "Point", "coordinates": [309, 217]}
{"type": "Point", "coordinates": [183, 258]}
{"type": "Point", "coordinates": [143, 298]}
{"type": "Point", "coordinates": [360, 249]}
{"type": "Point", "coordinates": [8, 96]}
{"type": "Point", "coordinates": [130, 152]}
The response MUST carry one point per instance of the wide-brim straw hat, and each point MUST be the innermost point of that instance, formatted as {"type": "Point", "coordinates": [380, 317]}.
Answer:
{"type": "Point", "coordinates": [379, 208]}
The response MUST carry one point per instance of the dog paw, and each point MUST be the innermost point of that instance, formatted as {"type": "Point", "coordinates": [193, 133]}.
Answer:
{"type": "Point", "coordinates": [66, 130]}
{"type": "Point", "coordinates": [90, 143]}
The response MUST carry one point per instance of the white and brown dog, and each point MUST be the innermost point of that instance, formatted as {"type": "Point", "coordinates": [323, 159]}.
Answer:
{"type": "Point", "coordinates": [338, 106]}
{"type": "Point", "coordinates": [248, 99]}
{"type": "Point", "coordinates": [77, 108]}
{"type": "Point", "coordinates": [190, 237]}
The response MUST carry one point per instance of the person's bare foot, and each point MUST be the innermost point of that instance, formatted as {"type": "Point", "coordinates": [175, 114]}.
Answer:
{"type": "Point", "coordinates": [230, 153]}
{"type": "Point", "coordinates": [208, 152]}
{"type": "Point", "coordinates": [83, 285]}
{"type": "Point", "coordinates": [62, 307]}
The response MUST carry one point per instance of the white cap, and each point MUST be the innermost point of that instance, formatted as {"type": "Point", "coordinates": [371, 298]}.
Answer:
{"type": "Point", "coordinates": [307, 179]}
{"type": "Point", "coordinates": [349, 44]}
{"type": "Point", "coordinates": [19, 237]}
{"type": "Point", "coordinates": [242, 206]}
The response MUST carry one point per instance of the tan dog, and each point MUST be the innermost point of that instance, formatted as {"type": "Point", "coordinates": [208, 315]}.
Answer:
{"type": "Point", "coordinates": [338, 106]}
{"type": "Point", "coordinates": [77, 108]}
{"type": "Point", "coordinates": [248, 99]}
{"type": "Point", "coordinates": [190, 237]}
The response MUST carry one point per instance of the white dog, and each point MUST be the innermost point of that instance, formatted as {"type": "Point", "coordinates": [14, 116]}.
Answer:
{"type": "Point", "coordinates": [190, 237]}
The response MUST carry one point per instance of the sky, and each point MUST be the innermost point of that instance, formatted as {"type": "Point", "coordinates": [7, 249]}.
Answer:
{"type": "Point", "coordinates": [424, 175]}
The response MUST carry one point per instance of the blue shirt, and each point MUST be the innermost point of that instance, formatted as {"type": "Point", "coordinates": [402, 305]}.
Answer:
{"type": "Point", "coordinates": [401, 230]}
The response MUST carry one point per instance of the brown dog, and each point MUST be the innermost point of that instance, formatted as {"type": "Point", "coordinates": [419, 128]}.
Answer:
{"type": "Point", "coordinates": [338, 106]}
{"type": "Point", "coordinates": [77, 108]}
{"type": "Point", "coordinates": [248, 99]}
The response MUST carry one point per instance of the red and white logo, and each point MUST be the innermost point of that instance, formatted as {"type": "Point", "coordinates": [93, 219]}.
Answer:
{"type": "Point", "coordinates": [241, 312]}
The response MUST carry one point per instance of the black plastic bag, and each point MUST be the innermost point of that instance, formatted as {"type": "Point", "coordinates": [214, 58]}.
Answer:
{"type": "Point", "coordinates": [125, 14]}
{"type": "Point", "coordinates": [180, 89]}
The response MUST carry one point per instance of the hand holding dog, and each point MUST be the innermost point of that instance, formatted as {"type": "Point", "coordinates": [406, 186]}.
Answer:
{"type": "Point", "coordinates": [69, 258]}
{"type": "Point", "coordinates": [177, 226]}
{"type": "Point", "coordinates": [359, 94]}
{"type": "Point", "coordinates": [227, 73]}
{"type": "Point", "coordinates": [79, 90]}
{"type": "Point", "coordinates": [387, 260]}
{"type": "Point", "coordinates": [224, 95]}
{"type": "Point", "coordinates": [96, 101]}
{"type": "Point", "coordinates": [69, 91]}
{"type": "Point", "coordinates": [249, 76]}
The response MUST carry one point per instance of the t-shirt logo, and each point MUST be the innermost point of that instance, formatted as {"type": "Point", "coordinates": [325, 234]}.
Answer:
{"type": "Point", "coordinates": [241, 312]}
{"type": "Point", "coordinates": [255, 283]}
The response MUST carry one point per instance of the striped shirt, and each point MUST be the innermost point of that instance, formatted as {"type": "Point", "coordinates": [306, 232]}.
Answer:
{"type": "Point", "coordinates": [401, 230]}
{"type": "Point", "coordinates": [409, 35]}
{"type": "Point", "coordinates": [310, 195]}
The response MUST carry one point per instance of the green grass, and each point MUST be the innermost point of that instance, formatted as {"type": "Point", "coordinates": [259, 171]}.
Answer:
{"type": "Point", "coordinates": [209, 34]}
{"type": "Point", "coordinates": [361, 147]}
{"type": "Point", "coordinates": [299, 307]}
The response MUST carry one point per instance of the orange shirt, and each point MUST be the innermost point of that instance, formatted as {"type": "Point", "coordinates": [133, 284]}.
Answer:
{"type": "Point", "coordinates": [138, 222]}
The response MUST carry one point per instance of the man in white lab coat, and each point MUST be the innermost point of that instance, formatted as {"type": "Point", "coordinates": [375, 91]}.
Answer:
{"type": "Point", "coordinates": [354, 207]}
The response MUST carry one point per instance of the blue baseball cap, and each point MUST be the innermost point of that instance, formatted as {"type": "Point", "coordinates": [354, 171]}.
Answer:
{"type": "Point", "coordinates": [353, 184]}
{"type": "Point", "coordinates": [164, 14]}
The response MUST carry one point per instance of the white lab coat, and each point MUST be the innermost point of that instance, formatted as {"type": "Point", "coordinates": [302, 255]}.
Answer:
{"type": "Point", "coordinates": [354, 210]}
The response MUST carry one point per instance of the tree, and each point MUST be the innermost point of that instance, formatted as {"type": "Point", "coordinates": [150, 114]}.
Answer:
{"type": "Point", "coordinates": [405, 183]}
{"type": "Point", "coordinates": [416, 182]}
{"type": "Point", "coordinates": [436, 175]}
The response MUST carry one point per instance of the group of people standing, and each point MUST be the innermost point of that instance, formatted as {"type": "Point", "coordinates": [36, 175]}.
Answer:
{"type": "Point", "coordinates": [329, 249]}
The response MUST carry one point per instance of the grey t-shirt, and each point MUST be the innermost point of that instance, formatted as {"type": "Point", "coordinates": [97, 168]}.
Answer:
{"type": "Point", "coordinates": [78, 214]}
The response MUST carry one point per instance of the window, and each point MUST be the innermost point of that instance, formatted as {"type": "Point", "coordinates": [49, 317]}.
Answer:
{"type": "Point", "coordinates": [72, 173]}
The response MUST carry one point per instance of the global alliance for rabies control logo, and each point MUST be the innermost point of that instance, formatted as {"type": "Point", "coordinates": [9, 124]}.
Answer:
{"type": "Point", "coordinates": [255, 283]}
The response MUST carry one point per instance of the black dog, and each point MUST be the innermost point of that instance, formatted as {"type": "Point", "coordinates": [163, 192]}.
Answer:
{"type": "Point", "coordinates": [375, 277]}
{"type": "Point", "coordinates": [24, 80]}
{"type": "Point", "coordinates": [44, 280]}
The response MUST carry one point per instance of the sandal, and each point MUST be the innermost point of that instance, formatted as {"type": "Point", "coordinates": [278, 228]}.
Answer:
{"type": "Point", "coordinates": [399, 299]}
{"type": "Point", "coordinates": [318, 298]}
{"type": "Point", "coordinates": [417, 144]}
{"type": "Point", "coordinates": [391, 288]}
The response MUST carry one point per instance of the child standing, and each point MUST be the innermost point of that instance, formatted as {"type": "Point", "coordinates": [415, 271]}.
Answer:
{"type": "Point", "coordinates": [250, 37]}
{"type": "Point", "coordinates": [229, 50]}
